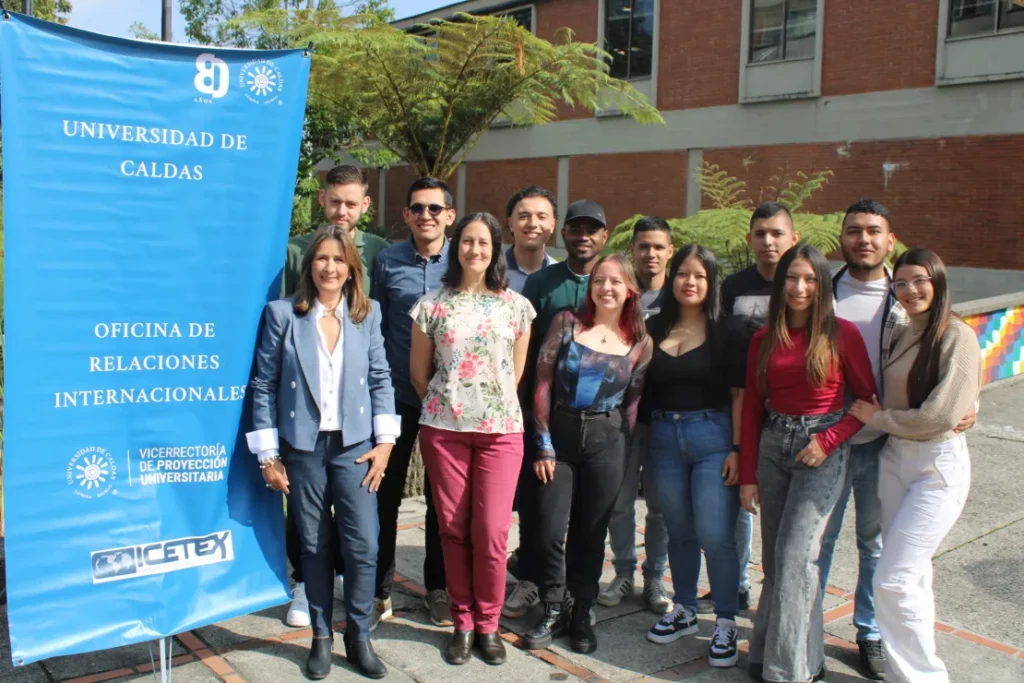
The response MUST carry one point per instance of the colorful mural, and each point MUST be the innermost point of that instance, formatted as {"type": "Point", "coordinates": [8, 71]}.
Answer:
{"type": "Point", "coordinates": [1001, 334]}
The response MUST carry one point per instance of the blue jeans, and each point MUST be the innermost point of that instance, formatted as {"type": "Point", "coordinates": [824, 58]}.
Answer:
{"type": "Point", "coordinates": [862, 479]}
{"type": "Point", "coordinates": [744, 534]}
{"type": "Point", "coordinates": [685, 453]}
{"type": "Point", "coordinates": [622, 527]}
{"type": "Point", "coordinates": [317, 480]}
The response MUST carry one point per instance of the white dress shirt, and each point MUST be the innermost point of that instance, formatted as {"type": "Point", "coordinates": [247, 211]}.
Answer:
{"type": "Point", "coordinates": [386, 428]}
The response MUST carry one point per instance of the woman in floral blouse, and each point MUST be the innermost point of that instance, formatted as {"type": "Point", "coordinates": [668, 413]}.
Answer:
{"type": "Point", "coordinates": [469, 348]}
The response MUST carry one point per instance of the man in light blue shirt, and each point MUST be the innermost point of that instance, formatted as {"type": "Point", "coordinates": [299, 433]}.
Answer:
{"type": "Point", "coordinates": [531, 215]}
{"type": "Point", "coordinates": [403, 274]}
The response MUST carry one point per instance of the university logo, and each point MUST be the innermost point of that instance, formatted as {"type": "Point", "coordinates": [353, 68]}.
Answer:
{"type": "Point", "coordinates": [91, 473]}
{"type": "Point", "coordinates": [261, 81]}
{"type": "Point", "coordinates": [211, 79]}
{"type": "Point", "coordinates": [161, 557]}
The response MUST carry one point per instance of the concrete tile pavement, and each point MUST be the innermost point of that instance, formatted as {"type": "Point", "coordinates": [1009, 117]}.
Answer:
{"type": "Point", "coordinates": [978, 583]}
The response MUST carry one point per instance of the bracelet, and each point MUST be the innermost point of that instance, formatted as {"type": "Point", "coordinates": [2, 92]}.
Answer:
{"type": "Point", "coordinates": [735, 449]}
{"type": "Point", "coordinates": [544, 442]}
{"type": "Point", "coordinates": [269, 462]}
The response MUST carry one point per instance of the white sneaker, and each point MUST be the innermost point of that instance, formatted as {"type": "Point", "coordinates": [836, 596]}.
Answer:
{"type": "Point", "coordinates": [339, 587]}
{"type": "Point", "coordinates": [678, 623]}
{"type": "Point", "coordinates": [298, 611]}
{"type": "Point", "coordinates": [620, 587]}
{"type": "Point", "coordinates": [722, 653]}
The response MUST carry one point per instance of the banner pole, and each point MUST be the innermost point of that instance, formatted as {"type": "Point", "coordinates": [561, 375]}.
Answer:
{"type": "Point", "coordinates": [165, 661]}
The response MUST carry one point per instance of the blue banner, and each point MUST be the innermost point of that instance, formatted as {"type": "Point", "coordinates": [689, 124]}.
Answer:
{"type": "Point", "coordinates": [147, 195]}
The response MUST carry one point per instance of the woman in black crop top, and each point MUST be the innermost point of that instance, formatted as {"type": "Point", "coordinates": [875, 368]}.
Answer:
{"type": "Point", "coordinates": [693, 395]}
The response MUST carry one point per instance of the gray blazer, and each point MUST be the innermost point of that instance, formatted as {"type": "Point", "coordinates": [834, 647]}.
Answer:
{"type": "Point", "coordinates": [286, 386]}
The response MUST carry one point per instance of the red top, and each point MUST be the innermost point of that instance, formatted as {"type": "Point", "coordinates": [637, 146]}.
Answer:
{"type": "Point", "coordinates": [789, 392]}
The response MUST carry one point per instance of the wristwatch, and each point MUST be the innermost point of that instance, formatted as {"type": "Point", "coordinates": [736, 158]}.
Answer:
{"type": "Point", "coordinates": [735, 449]}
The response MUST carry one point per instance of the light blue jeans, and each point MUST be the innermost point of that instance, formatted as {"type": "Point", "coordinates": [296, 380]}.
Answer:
{"type": "Point", "coordinates": [744, 533]}
{"type": "Point", "coordinates": [686, 452]}
{"type": "Point", "coordinates": [622, 526]}
{"type": "Point", "coordinates": [862, 479]}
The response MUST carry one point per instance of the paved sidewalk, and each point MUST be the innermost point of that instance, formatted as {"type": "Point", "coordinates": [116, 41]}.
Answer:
{"type": "Point", "coordinates": [979, 586]}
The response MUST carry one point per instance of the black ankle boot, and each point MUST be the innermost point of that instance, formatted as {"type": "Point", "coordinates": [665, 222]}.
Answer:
{"type": "Point", "coordinates": [459, 648]}
{"type": "Point", "coordinates": [319, 663]}
{"type": "Point", "coordinates": [363, 659]}
{"type": "Point", "coordinates": [553, 624]}
{"type": "Point", "coordinates": [581, 634]}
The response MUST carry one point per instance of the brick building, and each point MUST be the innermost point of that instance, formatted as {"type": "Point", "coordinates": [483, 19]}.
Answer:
{"type": "Point", "coordinates": [917, 103]}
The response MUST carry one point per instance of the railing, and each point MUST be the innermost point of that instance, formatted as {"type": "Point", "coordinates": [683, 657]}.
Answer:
{"type": "Point", "coordinates": [999, 324]}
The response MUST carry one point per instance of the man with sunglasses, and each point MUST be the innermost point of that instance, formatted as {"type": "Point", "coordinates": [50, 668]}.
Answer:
{"type": "Point", "coordinates": [552, 289]}
{"type": "Point", "coordinates": [403, 274]}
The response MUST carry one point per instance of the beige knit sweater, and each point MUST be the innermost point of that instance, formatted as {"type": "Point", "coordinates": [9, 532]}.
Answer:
{"type": "Point", "coordinates": [955, 394]}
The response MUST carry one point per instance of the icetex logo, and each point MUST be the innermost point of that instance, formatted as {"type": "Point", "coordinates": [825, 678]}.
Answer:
{"type": "Point", "coordinates": [161, 557]}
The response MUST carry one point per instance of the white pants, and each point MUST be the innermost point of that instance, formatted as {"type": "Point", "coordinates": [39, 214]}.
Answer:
{"type": "Point", "coordinates": [922, 487]}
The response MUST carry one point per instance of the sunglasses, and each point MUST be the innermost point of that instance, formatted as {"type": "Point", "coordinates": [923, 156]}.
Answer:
{"type": "Point", "coordinates": [432, 209]}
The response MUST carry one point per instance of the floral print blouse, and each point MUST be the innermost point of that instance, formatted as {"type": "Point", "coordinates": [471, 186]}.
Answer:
{"type": "Point", "coordinates": [473, 388]}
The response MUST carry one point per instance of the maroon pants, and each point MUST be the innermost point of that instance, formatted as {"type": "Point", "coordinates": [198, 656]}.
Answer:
{"type": "Point", "coordinates": [473, 478]}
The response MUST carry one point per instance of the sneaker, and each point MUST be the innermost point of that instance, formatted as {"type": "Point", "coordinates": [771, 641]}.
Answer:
{"type": "Point", "coordinates": [438, 607]}
{"type": "Point", "coordinates": [744, 603]}
{"type": "Point", "coordinates": [705, 604]}
{"type": "Point", "coordinates": [381, 611]}
{"type": "Point", "coordinates": [722, 653]}
{"type": "Point", "coordinates": [523, 597]}
{"type": "Point", "coordinates": [512, 564]}
{"type": "Point", "coordinates": [678, 623]}
{"type": "Point", "coordinates": [872, 658]}
{"type": "Point", "coordinates": [620, 587]}
{"type": "Point", "coordinates": [298, 611]}
{"type": "Point", "coordinates": [339, 587]}
{"type": "Point", "coordinates": [657, 597]}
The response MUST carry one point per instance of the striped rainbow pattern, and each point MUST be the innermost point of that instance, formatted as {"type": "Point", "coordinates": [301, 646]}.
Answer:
{"type": "Point", "coordinates": [1001, 335]}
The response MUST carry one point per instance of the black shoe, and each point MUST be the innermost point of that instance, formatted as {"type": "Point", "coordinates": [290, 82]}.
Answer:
{"type": "Point", "coordinates": [319, 663]}
{"type": "Point", "coordinates": [512, 564]}
{"type": "Point", "coordinates": [581, 634]}
{"type": "Point", "coordinates": [363, 659]}
{"type": "Point", "coordinates": [872, 658]}
{"type": "Point", "coordinates": [553, 624]}
{"type": "Point", "coordinates": [459, 648]}
{"type": "Point", "coordinates": [744, 601]}
{"type": "Point", "coordinates": [492, 648]}
{"type": "Point", "coordinates": [756, 672]}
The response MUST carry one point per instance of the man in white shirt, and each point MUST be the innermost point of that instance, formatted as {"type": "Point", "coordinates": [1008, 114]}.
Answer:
{"type": "Point", "coordinates": [863, 292]}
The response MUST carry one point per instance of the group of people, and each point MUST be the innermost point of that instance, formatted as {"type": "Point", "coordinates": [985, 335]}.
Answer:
{"type": "Point", "coordinates": [556, 388]}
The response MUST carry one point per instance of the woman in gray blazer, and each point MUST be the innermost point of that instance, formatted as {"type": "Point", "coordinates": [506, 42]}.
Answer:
{"type": "Point", "coordinates": [321, 375]}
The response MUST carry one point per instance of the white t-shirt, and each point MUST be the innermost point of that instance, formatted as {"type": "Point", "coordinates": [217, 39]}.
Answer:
{"type": "Point", "coordinates": [863, 304]}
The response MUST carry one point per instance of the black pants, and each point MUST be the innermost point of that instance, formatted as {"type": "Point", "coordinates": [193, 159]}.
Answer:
{"type": "Point", "coordinates": [389, 499]}
{"type": "Point", "coordinates": [294, 548]}
{"type": "Point", "coordinates": [591, 463]}
{"type": "Point", "coordinates": [324, 478]}
{"type": "Point", "coordinates": [526, 506]}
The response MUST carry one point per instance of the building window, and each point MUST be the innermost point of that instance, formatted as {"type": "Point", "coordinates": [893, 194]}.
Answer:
{"type": "Point", "coordinates": [782, 29]}
{"type": "Point", "coordinates": [629, 37]}
{"type": "Point", "coordinates": [983, 17]}
{"type": "Point", "coordinates": [522, 15]}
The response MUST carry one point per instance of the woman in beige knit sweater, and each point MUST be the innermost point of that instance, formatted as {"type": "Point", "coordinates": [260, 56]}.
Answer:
{"type": "Point", "coordinates": [932, 378]}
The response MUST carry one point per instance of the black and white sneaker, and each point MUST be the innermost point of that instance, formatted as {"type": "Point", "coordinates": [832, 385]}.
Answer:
{"type": "Point", "coordinates": [681, 621]}
{"type": "Point", "coordinates": [722, 653]}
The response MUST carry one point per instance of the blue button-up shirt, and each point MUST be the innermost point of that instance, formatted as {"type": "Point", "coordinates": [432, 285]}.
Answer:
{"type": "Point", "coordinates": [516, 275]}
{"type": "Point", "coordinates": [400, 278]}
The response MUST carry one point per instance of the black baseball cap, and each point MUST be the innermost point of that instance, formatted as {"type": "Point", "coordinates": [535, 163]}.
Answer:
{"type": "Point", "coordinates": [585, 208]}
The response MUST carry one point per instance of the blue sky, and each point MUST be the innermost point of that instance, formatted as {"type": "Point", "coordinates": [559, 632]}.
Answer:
{"type": "Point", "coordinates": [113, 17]}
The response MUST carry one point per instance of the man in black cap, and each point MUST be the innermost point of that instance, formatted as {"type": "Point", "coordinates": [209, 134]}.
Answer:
{"type": "Point", "coordinates": [552, 289]}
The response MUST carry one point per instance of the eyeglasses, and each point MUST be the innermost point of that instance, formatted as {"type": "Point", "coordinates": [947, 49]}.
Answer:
{"type": "Point", "coordinates": [432, 209]}
{"type": "Point", "coordinates": [917, 283]}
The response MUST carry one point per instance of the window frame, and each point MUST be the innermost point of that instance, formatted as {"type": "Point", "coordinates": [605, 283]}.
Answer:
{"type": "Point", "coordinates": [996, 31]}
{"type": "Point", "coordinates": [779, 79]}
{"type": "Point", "coordinates": [602, 21]}
{"type": "Point", "coordinates": [647, 85]}
{"type": "Point", "coordinates": [782, 43]}
{"type": "Point", "coordinates": [532, 6]}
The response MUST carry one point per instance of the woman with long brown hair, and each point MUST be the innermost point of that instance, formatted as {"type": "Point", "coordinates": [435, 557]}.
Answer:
{"type": "Point", "coordinates": [323, 427]}
{"type": "Point", "coordinates": [932, 377]}
{"type": "Point", "coordinates": [793, 456]}
{"type": "Point", "coordinates": [590, 377]}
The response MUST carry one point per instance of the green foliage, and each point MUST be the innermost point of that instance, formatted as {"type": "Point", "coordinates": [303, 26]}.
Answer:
{"type": "Point", "coordinates": [723, 229]}
{"type": "Point", "coordinates": [51, 10]}
{"type": "Point", "coordinates": [427, 96]}
{"type": "Point", "coordinates": [140, 31]}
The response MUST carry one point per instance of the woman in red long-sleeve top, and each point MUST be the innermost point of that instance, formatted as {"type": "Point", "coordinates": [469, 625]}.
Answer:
{"type": "Point", "coordinates": [793, 455]}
